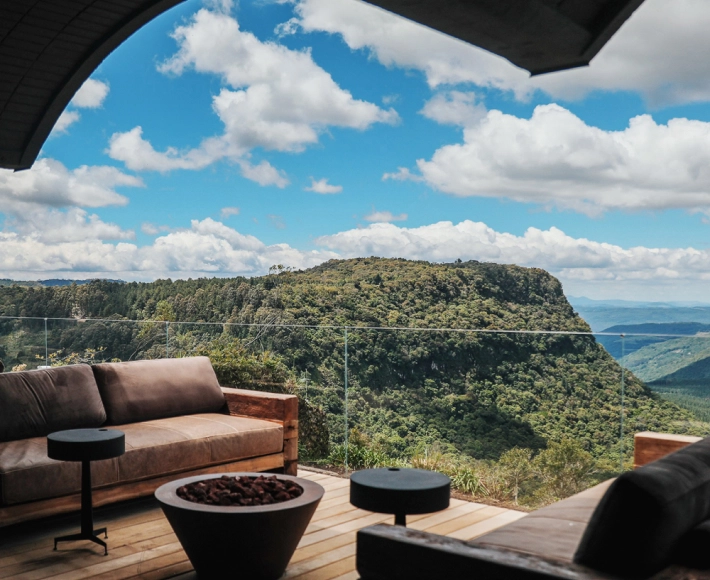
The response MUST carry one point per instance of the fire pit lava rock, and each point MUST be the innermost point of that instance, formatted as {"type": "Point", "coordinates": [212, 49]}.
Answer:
{"type": "Point", "coordinates": [249, 541]}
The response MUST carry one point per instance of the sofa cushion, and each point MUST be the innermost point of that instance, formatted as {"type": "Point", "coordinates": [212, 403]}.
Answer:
{"type": "Point", "coordinates": [26, 473]}
{"type": "Point", "coordinates": [153, 448]}
{"type": "Point", "coordinates": [552, 532]}
{"type": "Point", "coordinates": [153, 389]}
{"type": "Point", "coordinates": [36, 403]}
{"type": "Point", "coordinates": [181, 443]}
{"type": "Point", "coordinates": [640, 520]}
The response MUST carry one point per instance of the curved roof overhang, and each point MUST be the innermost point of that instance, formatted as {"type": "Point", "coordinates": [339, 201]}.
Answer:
{"type": "Point", "coordinates": [48, 48]}
{"type": "Point", "coordinates": [540, 36]}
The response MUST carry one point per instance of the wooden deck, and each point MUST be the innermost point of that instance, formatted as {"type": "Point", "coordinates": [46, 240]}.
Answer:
{"type": "Point", "coordinates": [142, 544]}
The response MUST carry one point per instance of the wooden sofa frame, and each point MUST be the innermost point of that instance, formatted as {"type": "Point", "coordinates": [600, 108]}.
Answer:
{"type": "Point", "coordinates": [275, 407]}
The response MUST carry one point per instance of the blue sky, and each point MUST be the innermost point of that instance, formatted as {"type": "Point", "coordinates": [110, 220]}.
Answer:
{"type": "Point", "coordinates": [223, 138]}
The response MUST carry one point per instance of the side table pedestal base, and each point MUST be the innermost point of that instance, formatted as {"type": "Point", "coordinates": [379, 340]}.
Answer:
{"type": "Point", "coordinates": [82, 536]}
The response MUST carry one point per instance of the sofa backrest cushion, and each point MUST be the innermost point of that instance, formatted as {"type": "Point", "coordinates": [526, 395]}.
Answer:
{"type": "Point", "coordinates": [638, 523]}
{"type": "Point", "coordinates": [36, 403]}
{"type": "Point", "coordinates": [153, 389]}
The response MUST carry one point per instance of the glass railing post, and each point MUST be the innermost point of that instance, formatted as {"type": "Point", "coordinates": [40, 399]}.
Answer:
{"type": "Point", "coordinates": [345, 372]}
{"type": "Point", "coordinates": [167, 339]}
{"type": "Point", "coordinates": [621, 418]}
{"type": "Point", "coordinates": [46, 349]}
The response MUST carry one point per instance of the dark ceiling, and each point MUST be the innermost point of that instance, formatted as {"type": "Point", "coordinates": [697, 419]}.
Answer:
{"type": "Point", "coordinates": [48, 48]}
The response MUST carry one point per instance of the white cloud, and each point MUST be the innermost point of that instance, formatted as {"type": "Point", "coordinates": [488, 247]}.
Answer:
{"type": "Point", "coordinates": [454, 108]}
{"type": "Point", "coordinates": [402, 174]}
{"type": "Point", "coordinates": [72, 225]}
{"type": "Point", "coordinates": [396, 41]}
{"type": "Point", "coordinates": [277, 221]}
{"type": "Point", "coordinates": [226, 212]}
{"type": "Point", "coordinates": [50, 183]}
{"type": "Point", "coordinates": [66, 119]}
{"type": "Point", "coordinates": [654, 53]}
{"type": "Point", "coordinates": [385, 216]}
{"type": "Point", "coordinates": [276, 98]}
{"type": "Point", "coordinates": [139, 155]}
{"type": "Point", "coordinates": [555, 159]}
{"type": "Point", "coordinates": [91, 94]}
{"type": "Point", "coordinates": [151, 229]}
{"type": "Point", "coordinates": [210, 248]}
{"type": "Point", "coordinates": [206, 248]}
{"type": "Point", "coordinates": [323, 187]}
{"type": "Point", "coordinates": [224, 6]}
{"type": "Point", "coordinates": [576, 261]}
{"type": "Point", "coordinates": [264, 174]}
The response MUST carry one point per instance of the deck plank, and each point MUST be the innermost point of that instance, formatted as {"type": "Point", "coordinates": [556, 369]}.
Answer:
{"type": "Point", "coordinates": [143, 546]}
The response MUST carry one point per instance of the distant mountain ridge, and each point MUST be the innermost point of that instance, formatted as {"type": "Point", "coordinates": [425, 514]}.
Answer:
{"type": "Point", "coordinates": [583, 301]}
{"type": "Point", "coordinates": [603, 314]}
{"type": "Point", "coordinates": [638, 336]}
{"type": "Point", "coordinates": [51, 282]}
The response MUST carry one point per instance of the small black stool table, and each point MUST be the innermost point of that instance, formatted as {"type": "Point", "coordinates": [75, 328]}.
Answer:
{"type": "Point", "coordinates": [86, 445]}
{"type": "Point", "coordinates": [400, 491]}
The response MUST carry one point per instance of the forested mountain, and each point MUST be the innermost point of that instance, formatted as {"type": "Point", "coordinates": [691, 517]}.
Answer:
{"type": "Point", "coordinates": [473, 393]}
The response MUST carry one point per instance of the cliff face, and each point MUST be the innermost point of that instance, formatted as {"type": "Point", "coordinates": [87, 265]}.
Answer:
{"type": "Point", "coordinates": [412, 381]}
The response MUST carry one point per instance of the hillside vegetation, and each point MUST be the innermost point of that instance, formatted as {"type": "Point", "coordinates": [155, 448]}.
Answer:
{"type": "Point", "coordinates": [476, 394]}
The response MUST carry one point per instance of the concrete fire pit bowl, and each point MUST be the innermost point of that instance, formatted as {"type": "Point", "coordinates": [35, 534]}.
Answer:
{"type": "Point", "coordinates": [253, 542]}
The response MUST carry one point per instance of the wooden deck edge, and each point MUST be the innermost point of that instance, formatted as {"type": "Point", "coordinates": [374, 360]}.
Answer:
{"type": "Point", "coordinates": [15, 514]}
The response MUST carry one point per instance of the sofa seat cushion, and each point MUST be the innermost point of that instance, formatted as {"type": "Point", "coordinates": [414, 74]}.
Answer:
{"type": "Point", "coordinates": [552, 532]}
{"type": "Point", "coordinates": [180, 443]}
{"type": "Point", "coordinates": [153, 448]}
{"type": "Point", "coordinates": [153, 389]}
{"type": "Point", "coordinates": [27, 474]}
{"type": "Point", "coordinates": [36, 403]}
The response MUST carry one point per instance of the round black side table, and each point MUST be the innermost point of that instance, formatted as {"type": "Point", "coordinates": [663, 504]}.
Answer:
{"type": "Point", "coordinates": [400, 491]}
{"type": "Point", "coordinates": [86, 445]}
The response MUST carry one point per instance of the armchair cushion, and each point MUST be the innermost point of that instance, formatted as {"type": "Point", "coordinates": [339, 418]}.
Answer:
{"type": "Point", "coordinates": [639, 522]}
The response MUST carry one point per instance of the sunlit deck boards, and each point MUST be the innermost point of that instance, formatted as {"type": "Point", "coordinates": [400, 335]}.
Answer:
{"type": "Point", "coordinates": [142, 545]}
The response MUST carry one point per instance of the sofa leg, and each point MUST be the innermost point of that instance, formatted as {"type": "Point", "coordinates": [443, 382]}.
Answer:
{"type": "Point", "coordinates": [291, 469]}
{"type": "Point", "coordinates": [291, 452]}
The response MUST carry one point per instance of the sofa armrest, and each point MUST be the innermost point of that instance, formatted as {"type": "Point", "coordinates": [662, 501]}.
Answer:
{"type": "Point", "coordinates": [271, 407]}
{"type": "Point", "coordinates": [649, 446]}
{"type": "Point", "coordinates": [397, 553]}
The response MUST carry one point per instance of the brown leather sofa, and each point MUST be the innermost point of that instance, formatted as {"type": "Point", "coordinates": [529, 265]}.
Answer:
{"type": "Point", "coordinates": [177, 419]}
{"type": "Point", "coordinates": [652, 522]}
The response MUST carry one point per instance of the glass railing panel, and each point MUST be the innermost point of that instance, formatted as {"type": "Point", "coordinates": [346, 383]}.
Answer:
{"type": "Point", "coordinates": [102, 340]}
{"type": "Point", "coordinates": [22, 343]}
{"type": "Point", "coordinates": [303, 361]}
{"type": "Point", "coordinates": [512, 417]}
